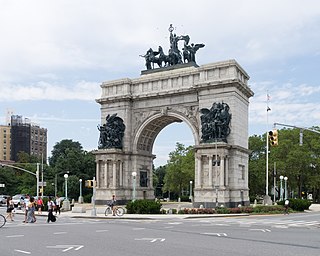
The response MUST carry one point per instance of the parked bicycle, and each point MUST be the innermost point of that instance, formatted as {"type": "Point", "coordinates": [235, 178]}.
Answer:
{"type": "Point", "coordinates": [118, 210]}
{"type": "Point", "coordinates": [2, 220]}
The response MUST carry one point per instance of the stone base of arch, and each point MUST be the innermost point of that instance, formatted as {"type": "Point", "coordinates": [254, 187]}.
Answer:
{"type": "Point", "coordinates": [114, 170]}
{"type": "Point", "coordinates": [221, 177]}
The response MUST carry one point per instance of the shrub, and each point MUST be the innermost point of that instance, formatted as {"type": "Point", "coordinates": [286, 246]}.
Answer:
{"type": "Point", "coordinates": [299, 204]}
{"type": "Point", "coordinates": [143, 207]}
{"type": "Point", "coordinates": [222, 210]}
{"type": "Point", "coordinates": [267, 209]}
{"type": "Point", "coordinates": [184, 199]}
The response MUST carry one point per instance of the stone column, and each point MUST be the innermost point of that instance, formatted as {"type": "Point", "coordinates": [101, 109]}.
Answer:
{"type": "Point", "coordinates": [210, 171]}
{"type": "Point", "coordinates": [227, 171]}
{"type": "Point", "coordinates": [106, 174]}
{"type": "Point", "coordinates": [222, 159]}
{"type": "Point", "coordinates": [97, 173]}
{"type": "Point", "coordinates": [121, 174]}
{"type": "Point", "coordinates": [199, 171]}
{"type": "Point", "coordinates": [114, 181]}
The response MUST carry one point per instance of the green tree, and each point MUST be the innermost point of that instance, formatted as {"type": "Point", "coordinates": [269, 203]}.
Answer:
{"type": "Point", "coordinates": [180, 169]}
{"type": "Point", "coordinates": [158, 180]}
{"type": "Point", "coordinates": [69, 157]}
{"type": "Point", "coordinates": [257, 166]}
{"type": "Point", "coordinates": [300, 163]}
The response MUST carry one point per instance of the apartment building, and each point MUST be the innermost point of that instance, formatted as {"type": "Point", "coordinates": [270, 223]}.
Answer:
{"type": "Point", "coordinates": [5, 142]}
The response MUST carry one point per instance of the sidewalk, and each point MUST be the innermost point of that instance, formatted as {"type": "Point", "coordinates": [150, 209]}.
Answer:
{"type": "Point", "coordinates": [87, 211]}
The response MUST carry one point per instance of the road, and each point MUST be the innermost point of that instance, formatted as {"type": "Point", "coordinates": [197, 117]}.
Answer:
{"type": "Point", "coordinates": [294, 234]}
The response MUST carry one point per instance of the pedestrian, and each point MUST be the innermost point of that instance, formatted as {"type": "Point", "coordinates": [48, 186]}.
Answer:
{"type": "Point", "coordinates": [24, 202]}
{"type": "Point", "coordinates": [51, 207]}
{"type": "Point", "coordinates": [58, 205]}
{"type": "Point", "coordinates": [286, 206]}
{"type": "Point", "coordinates": [39, 205]}
{"type": "Point", "coordinates": [112, 204]}
{"type": "Point", "coordinates": [10, 208]}
{"type": "Point", "coordinates": [31, 218]}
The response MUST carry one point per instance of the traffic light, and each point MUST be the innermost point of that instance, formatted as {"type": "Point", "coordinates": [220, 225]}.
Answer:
{"type": "Point", "coordinates": [273, 137]}
{"type": "Point", "coordinates": [90, 183]}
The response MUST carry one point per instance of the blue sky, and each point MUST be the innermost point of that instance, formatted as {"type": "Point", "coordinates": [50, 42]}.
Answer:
{"type": "Point", "coordinates": [55, 54]}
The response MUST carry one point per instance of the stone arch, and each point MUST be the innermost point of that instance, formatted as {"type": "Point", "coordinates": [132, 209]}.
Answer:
{"type": "Point", "coordinates": [158, 98]}
{"type": "Point", "coordinates": [151, 127]}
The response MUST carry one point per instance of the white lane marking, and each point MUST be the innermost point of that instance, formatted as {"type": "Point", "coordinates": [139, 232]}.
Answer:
{"type": "Point", "coordinates": [25, 252]}
{"type": "Point", "coordinates": [65, 247]}
{"type": "Point", "coordinates": [59, 233]}
{"type": "Point", "coordinates": [151, 240]}
{"type": "Point", "coordinates": [138, 228]}
{"type": "Point", "coordinates": [260, 229]}
{"type": "Point", "coordinates": [78, 248]}
{"type": "Point", "coordinates": [69, 248]}
{"type": "Point", "coordinates": [13, 236]}
{"type": "Point", "coordinates": [215, 234]}
{"type": "Point", "coordinates": [102, 230]}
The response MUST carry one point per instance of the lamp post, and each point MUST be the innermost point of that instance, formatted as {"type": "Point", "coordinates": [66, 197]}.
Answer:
{"type": "Point", "coordinates": [281, 192]}
{"type": "Point", "coordinates": [285, 188]}
{"type": "Point", "coordinates": [190, 197]}
{"type": "Point", "coordinates": [56, 183]}
{"type": "Point", "coordinates": [134, 175]}
{"type": "Point", "coordinates": [66, 203]}
{"type": "Point", "coordinates": [80, 200]}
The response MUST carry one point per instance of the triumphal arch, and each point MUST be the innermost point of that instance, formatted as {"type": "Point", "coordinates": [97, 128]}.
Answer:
{"type": "Point", "coordinates": [212, 99]}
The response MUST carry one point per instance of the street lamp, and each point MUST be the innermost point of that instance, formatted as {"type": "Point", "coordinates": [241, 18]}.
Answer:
{"type": "Point", "coordinates": [281, 191]}
{"type": "Point", "coordinates": [190, 197]}
{"type": "Point", "coordinates": [285, 188]}
{"type": "Point", "coordinates": [56, 183]}
{"type": "Point", "coordinates": [134, 175]}
{"type": "Point", "coordinates": [66, 203]}
{"type": "Point", "coordinates": [80, 200]}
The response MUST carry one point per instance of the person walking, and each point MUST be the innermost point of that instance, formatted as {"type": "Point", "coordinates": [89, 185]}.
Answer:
{"type": "Point", "coordinates": [286, 207]}
{"type": "Point", "coordinates": [51, 207]}
{"type": "Point", "coordinates": [10, 208]}
{"type": "Point", "coordinates": [58, 205]}
{"type": "Point", "coordinates": [39, 205]}
{"type": "Point", "coordinates": [31, 218]}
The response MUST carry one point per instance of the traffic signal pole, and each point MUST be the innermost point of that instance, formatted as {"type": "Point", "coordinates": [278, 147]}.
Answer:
{"type": "Point", "coordinates": [301, 130]}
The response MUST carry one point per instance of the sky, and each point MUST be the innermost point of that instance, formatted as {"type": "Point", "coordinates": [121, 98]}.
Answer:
{"type": "Point", "coordinates": [55, 54]}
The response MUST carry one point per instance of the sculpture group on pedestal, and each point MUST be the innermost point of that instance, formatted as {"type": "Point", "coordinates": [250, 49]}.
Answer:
{"type": "Point", "coordinates": [111, 133]}
{"type": "Point", "coordinates": [215, 123]}
{"type": "Point", "coordinates": [174, 56]}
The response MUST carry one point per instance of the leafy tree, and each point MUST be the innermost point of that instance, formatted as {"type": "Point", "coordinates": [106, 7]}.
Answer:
{"type": "Point", "coordinates": [180, 169]}
{"type": "Point", "coordinates": [257, 167]}
{"type": "Point", "coordinates": [69, 157]}
{"type": "Point", "coordinates": [158, 180]}
{"type": "Point", "coordinates": [300, 163]}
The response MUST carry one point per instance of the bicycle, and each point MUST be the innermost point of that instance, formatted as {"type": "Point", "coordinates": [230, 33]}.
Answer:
{"type": "Point", "coordinates": [2, 220]}
{"type": "Point", "coordinates": [119, 211]}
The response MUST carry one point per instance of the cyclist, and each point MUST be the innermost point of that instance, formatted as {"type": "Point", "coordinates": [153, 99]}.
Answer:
{"type": "Point", "coordinates": [112, 205]}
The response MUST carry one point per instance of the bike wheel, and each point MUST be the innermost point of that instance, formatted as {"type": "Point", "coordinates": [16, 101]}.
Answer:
{"type": "Point", "coordinates": [120, 211]}
{"type": "Point", "coordinates": [108, 211]}
{"type": "Point", "coordinates": [2, 220]}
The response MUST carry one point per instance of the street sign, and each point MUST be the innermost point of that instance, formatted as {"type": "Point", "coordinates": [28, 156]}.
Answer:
{"type": "Point", "coordinates": [2, 185]}
{"type": "Point", "coordinates": [44, 183]}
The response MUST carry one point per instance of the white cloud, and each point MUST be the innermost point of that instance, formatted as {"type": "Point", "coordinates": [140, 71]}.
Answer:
{"type": "Point", "coordinates": [44, 91]}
